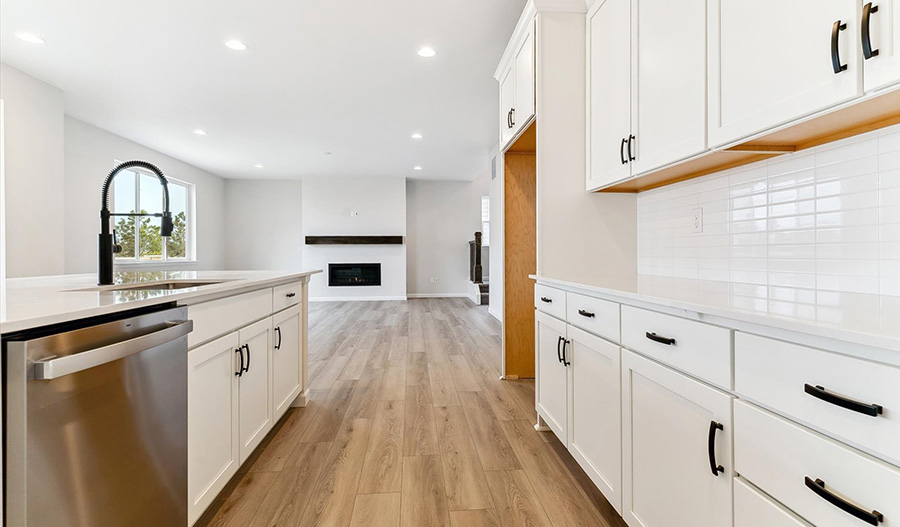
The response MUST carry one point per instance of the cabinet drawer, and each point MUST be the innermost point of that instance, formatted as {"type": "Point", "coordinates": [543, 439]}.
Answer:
{"type": "Point", "coordinates": [786, 461]}
{"type": "Point", "coordinates": [753, 509]}
{"type": "Point", "coordinates": [286, 295]}
{"type": "Point", "coordinates": [550, 300]}
{"type": "Point", "coordinates": [695, 347]}
{"type": "Point", "coordinates": [218, 317]}
{"type": "Point", "coordinates": [600, 317]}
{"type": "Point", "coordinates": [812, 385]}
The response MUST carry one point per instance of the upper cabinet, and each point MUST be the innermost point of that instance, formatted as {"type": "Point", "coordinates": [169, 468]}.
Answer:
{"type": "Point", "coordinates": [773, 61]}
{"type": "Point", "coordinates": [517, 87]}
{"type": "Point", "coordinates": [646, 63]}
{"type": "Point", "coordinates": [880, 41]}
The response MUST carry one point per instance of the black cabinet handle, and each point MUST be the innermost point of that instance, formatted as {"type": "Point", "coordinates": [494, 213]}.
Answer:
{"type": "Point", "coordinates": [565, 361]}
{"type": "Point", "coordinates": [291, 295]}
{"type": "Point", "coordinates": [630, 155]}
{"type": "Point", "coordinates": [835, 54]}
{"type": "Point", "coordinates": [558, 352]}
{"type": "Point", "coordinates": [278, 332]}
{"type": "Point", "coordinates": [509, 118]}
{"type": "Point", "coordinates": [584, 313]}
{"type": "Point", "coordinates": [819, 392]}
{"type": "Point", "coordinates": [512, 117]}
{"type": "Point", "coordinates": [247, 347]}
{"type": "Point", "coordinates": [622, 151]}
{"type": "Point", "coordinates": [546, 300]}
{"type": "Point", "coordinates": [868, 52]}
{"type": "Point", "coordinates": [662, 340]}
{"type": "Point", "coordinates": [715, 467]}
{"type": "Point", "coordinates": [818, 486]}
{"type": "Point", "coordinates": [240, 351]}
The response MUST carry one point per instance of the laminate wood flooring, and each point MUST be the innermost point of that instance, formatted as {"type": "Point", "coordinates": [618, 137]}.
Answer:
{"type": "Point", "coordinates": [409, 424]}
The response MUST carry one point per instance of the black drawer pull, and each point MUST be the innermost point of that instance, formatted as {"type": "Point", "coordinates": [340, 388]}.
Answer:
{"type": "Point", "coordinates": [818, 486]}
{"type": "Point", "coordinates": [565, 362]}
{"type": "Point", "coordinates": [546, 300]}
{"type": "Point", "coordinates": [835, 54]}
{"type": "Point", "coordinates": [622, 151]}
{"type": "Point", "coordinates": [240, 351]}
{"type": "Point", "coordinates": [247, 347]}
{"type": "Point", "coordinates": [558, 352]}
{"type": "Point", "coordinates": [662, 340]}
{"type": "Point", "coordinates": [584, 313]}
{"type": "Point", "coordinates": [868, 52]}
{"type": "Point", "coordinates": [290, 295]}
{"type": "Point", "coordinates": [630, 155]}
{"type": "Point", "coordinates": [715, 467]}
{"type": "Point", "coordinates": [819, 392]}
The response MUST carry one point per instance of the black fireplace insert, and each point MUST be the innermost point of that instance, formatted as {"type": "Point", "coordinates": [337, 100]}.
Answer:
{"type": "Point", "coordinates": [354, 274]}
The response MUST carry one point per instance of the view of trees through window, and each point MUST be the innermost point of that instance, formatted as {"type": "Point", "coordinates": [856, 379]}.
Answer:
{"type": "Point", "coordinates": [141, 237]}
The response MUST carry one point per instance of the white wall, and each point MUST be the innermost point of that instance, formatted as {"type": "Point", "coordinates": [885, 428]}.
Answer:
{"type": "Point", "coordinates": [263, 224]}
{"type": "Point", "coordinates": [821, 220]}
{"type": "Point", "coordinates": [326, 210]}
{"type": "Point", "coordinates": [495, 306]}
{"type": "Point", "coordinates": [442, 216]}
{"type": "Point", "coordinates": [34, 207]}
{"type": "Point", "coordinates": [90, 154]}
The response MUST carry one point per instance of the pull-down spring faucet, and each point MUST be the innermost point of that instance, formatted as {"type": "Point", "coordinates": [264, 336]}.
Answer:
{"type": "Point", "coordinates": [107, 242]}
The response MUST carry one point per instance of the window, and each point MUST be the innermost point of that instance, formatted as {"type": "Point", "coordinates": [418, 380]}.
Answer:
{"type": "Point", "coordinates": [141, 238]}
{"type": "Point", "coordinates": [485, 221]}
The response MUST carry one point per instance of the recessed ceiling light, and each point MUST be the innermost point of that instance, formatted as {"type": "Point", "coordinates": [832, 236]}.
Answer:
{"type": "Point", "coordinates": [236, 45]}
{"type": "Point", "coordinates": [417, 167]}
{"type": "Point", "coordinates": [200, 132]}
{"type": "Point", "coordinates": [258, 166]}
{"type": "Point", "coordinates": [30, 38]}
{"type": "Point", "coordinates": [416, 135]}
{"type": "Point", "coordinates": [426, 52]}
{"type": "Point", "coordinates": [327, 153]}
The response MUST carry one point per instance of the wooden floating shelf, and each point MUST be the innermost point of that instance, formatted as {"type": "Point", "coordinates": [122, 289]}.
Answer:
{"type": "Point", "coordinates": [857, 118]}
{"type": "Point", "coordinates": [354, 240]}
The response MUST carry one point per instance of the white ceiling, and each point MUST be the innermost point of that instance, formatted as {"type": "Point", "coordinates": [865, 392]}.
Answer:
{"type": "Point", "coordinates": [319, 76]}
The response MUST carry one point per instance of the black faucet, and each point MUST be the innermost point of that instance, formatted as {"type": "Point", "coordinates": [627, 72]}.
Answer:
{"type": "Point", "coordinates": [108, 244]}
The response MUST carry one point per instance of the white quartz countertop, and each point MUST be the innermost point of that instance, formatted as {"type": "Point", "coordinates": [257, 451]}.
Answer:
{"type": "Point", "coordinates": [859, 319]}
{"type": "Point", "coordinates": [33, 302]}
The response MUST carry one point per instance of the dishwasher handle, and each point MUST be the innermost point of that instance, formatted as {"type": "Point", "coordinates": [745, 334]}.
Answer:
{"type": "Point", "coordinates": [54, 368]}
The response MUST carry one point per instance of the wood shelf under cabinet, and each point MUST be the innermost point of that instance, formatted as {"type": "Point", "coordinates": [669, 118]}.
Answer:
{"type": "Point", "coordinates": [874, 113]}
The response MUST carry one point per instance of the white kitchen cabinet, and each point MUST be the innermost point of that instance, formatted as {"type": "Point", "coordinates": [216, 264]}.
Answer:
{"type": "Point", "coordinates": [524, 108]}
{"type": "Point", "coordinates": [287, 372]}
{"type": "Point", "coordinates": [880, 33]}
{"type": "Point", "coordinates": [753, 509]}
{"type": "Point", "coordinates": [553, 376]}
{"type": "Point", "coordinates": [595, 438]}
{"type": "Point", "coordinates": [668, 476]}
{"type": "Point", "coordinates": [772, 61]}
{"type": "Point", "coordinates": [507, 103]}
{"type": "Point", "coordinates": [213, 446]}
{"type": "Point", "coordinates": [669, 104]}
{"type": "Point", "coordinates": [608, 92]}
{"type": "Point", "coordinates": [255, 388]}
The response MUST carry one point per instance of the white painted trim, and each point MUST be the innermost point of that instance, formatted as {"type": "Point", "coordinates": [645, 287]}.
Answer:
{"type": "Point", "coordinates": [355, 298]}
{"type": "Point", "coordinates": [437, 295]}
{"type": "Point", "coordinates": [493, 313]}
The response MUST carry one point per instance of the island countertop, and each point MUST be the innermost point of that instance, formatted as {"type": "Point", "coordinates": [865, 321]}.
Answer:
{"type": "Point", "coordinates": [27, 303]}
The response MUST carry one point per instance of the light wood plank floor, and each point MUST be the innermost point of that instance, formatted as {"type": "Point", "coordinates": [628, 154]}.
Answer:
{"type": "Point", "coordinates": [409, 425]}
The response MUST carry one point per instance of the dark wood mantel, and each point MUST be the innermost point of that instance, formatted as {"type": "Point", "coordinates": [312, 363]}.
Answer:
{"type": "Point", "coordinates": [354, 240]}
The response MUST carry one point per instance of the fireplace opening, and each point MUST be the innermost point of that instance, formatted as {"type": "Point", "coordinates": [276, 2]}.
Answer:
{"type": "Point", "coordinates": [354, 274]}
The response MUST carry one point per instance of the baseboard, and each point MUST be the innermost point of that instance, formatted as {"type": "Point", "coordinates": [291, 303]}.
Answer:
{"type": "Point", "coordinates": [355, 298]}
{"type": "Point", "coordinates": [493, 313]}
{"type": "Point", "coordinates": [437, 295]}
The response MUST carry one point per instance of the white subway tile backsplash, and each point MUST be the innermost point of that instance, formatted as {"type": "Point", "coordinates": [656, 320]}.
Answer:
{"type": "Point", "coordinates": [797, 230]}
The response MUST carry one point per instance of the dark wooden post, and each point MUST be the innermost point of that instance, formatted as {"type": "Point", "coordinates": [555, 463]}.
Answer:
{"type": "Point", "coordinates": [477, 272]}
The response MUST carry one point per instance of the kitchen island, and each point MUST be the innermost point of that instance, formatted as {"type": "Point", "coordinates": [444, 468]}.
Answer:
{"type": "Point", "coordinates": [245, 333]}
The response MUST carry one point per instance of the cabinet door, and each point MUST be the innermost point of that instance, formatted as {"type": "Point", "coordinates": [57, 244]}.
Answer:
{"type": "Point", "coordinates": [213, 446]}
{"type": "Point", "coordinates": [771, 61]}
{"type": "Point", "coordinates": [882, 67]}
{"type": "Point", "coordinates": [255, 391]}
{"type": "Point", "coordinates": [667, 421]}
{"type": "Point", "coordinates": [669, 106]}
{"type": "Point", "coordinates": [552, 374]}
{"type": "Point", "coordinates": [507, 103]}
{"type": "Point", "coordinates": [609, 92]}
{"type": "Point", "coordinates": [524, 107]}
{"type": "Point", "coordinates": [286, 364]}
{"type": "Point", "coordinates": [596, 427]}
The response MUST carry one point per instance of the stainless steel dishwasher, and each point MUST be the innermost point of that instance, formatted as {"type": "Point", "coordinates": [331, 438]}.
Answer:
{"type": "Point", "coordinates": [96, 424]}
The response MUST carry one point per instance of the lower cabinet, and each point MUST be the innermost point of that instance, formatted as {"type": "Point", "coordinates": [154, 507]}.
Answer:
{"type": "Point", "coordinates": [254, 390]}
{"type": "Point", "coordinates": [677, 462]}
{"type": "Point", "coordinates": [213, 447]}
{"type": "Point", "coordinates": [552, 388]}
{"type": "Point", "coordinates": [753, 509]}
{"type": "Point", "coordinates": [595, 431]}
{"type": "Point", "coordinates": [287, 366]}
